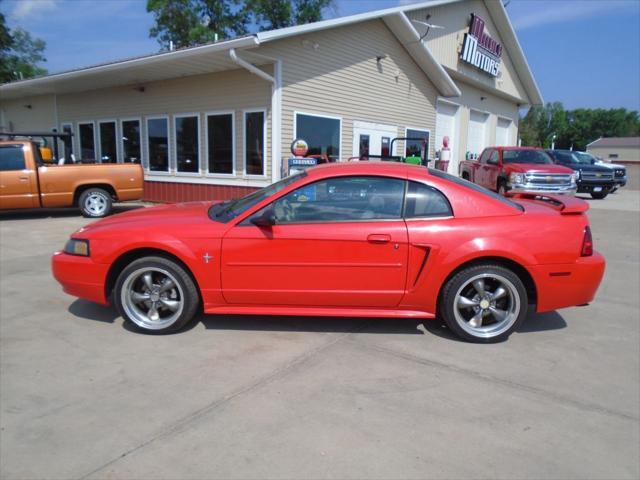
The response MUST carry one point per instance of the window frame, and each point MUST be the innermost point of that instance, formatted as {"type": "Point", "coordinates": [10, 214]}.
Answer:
{"type": "Point", "coordinates": [73, 140]}
{"type": "Point", "coordinates": [99, 144]}
{"type": "Point", "coordinates": [425, 130]}
{"type": "Point", "coordinates": [264, 143]}
{"type": "Point", "coordinates": [147, 168]}
{"type": "Point", "coordinates": [95, 146]}
{"type": "Point", "coordinates": [121, 135]}
{"type": "Point", "coordinates": [234, 142]}
{"type": "Point", "coordinates": [319, 115]}
{"type": "Point", "coordinates": [173, 149]}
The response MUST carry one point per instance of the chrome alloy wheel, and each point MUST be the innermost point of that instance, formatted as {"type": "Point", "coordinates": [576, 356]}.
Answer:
{"type": "Point", "coordinates": [95, 204]}
{"type": "Point", "coordinates": [487, 305]}
{"type": "Point", "coordinates": [152, 298]}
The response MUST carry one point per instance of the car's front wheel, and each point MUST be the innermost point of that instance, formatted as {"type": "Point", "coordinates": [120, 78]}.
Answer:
{"type": "Point", "coordinates": [599, 195]}
{"type": "Point", "coordinates": [483, 303]}
{"type": "Point", "coordinates": [156, 294]}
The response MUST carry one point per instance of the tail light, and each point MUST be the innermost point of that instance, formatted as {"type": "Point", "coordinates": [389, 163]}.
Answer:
{"type": "Point", "coordinates": [587, 243]}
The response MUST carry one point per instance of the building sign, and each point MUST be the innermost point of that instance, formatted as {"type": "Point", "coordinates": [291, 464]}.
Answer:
{"type": "Point", "coordinates": [479, 49]}
{"type": "Point", "coordinates": [299, 147]}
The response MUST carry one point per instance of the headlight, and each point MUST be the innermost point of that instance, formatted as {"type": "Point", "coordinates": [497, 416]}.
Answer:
{"type": "Point", "coordinates": [574, 177]}
{"type": "Point", "coordinates": [77, 247]}
{"type": "Point", "coordinates": [516, 178]}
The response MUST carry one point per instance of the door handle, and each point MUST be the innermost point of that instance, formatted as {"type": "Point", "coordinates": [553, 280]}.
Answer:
{"type": "Point", "coordinates": [379, 238]}
{"type": "Point", "coordinates": [23, 179]}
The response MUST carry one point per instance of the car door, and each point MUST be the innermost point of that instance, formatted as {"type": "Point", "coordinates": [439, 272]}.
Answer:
{"type": "Point", "coordinates": [483, 168]}
{"type": "Point", "coordinates": [338, 242]}
{"type": "Point", "coordinates": [18, 185]}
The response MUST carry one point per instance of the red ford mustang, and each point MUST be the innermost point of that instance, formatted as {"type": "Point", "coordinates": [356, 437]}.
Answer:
{"type": "Point", "coordinates": [368, 239]}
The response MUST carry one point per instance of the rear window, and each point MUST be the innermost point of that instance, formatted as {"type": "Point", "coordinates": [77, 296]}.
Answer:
{"type": "Point", "coordinates": [11, 158]}
{"type": "Point", "coordinates": [476, 188]}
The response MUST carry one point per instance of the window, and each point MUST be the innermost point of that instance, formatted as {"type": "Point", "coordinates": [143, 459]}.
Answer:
{"type": "Point", "coordinates": [418, 144]}
{"type": "Point", "coordinates": [11, 158]}
{"type": "Point", "coordinates": [321, 133]}
{"type": "Point", "coordinates": [613, 155]}
{"type": "Point", "coordinates": [220, 143]}
{"type": "Point", "coordinates": [158, 144]}
{"type": "Point", "coordinates": [494, 159]}
{"type": "Point", "coordinates": [385, 147]}
{"type": "Point", "coordinates": [425, 201]}
{"type": "Point", "coordinates": [526, 156]}
{"type": "Point", "coordinates": [87, 141]}
{"type": "Point", "coordinates": [66, 148]}
{"type": "Point", "coordinates": [131, 148]}
{"type": "Point", "coordinates": [108, 148]}
{"type": "Point", "coordinates": [342, 199]}
{"type": "Point", "coordinates": [187, 144]}
{"type": "Point", "coordinates": [254, 143]}
{"type": "Point", "coordinates": [364, 145]}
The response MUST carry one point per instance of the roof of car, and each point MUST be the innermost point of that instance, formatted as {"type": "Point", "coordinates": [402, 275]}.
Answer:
{"type": "Point", "coordinates": [368, 167]}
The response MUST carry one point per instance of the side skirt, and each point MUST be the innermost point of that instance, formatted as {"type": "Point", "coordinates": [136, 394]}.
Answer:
{"type": "Point", "coordinates": [315, 311]}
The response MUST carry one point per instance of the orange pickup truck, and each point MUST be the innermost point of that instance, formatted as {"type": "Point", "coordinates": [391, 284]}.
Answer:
{"type": "Point", "coordinates": [27, 181]}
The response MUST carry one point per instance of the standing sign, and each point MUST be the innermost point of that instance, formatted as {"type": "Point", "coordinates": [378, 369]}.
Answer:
{"type": "Point", "coordinates": [479, 49]}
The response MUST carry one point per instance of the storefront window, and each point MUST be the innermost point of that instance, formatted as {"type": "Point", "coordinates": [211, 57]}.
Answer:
{"type": "Point", "coordinates": [187, 150]}
{"type": "Point", "coordinates": [321, 133]}
{"type": "Point", "coordinates": [254, 143]}
{"type": "Point", "coordinates": [108, 149]}
{"type": "Point", "coordinates": [220, 143]}
{"type": "Point", "coordinates": [66, 148]}
{"type": "Point", "coordinates": [87, 141]}
{"type": "Point", "coordinates": [131, 149]}
{"type": "Point", "coordinates": [416, 147]}
{"type": "Point", "coordinates": [364, 146]}
{"type": "Point", "coordinates": [158, 140]}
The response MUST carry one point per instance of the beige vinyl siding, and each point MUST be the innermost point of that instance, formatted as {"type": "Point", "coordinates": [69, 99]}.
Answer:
{"type": "Point", "coordinates": [341, 78]}
{"type": "Point", "coordinates": [471, 99]}
{"type": "Point", "coordinates": [235, 90]}
{"type": "Point", "coordinates": [32, 114]}
{"type": "Point", "coordinates": [446, 43]}
{"type": "Point", "coordinates": [624, 154]}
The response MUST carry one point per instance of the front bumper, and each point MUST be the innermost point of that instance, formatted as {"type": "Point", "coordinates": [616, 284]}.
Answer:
{"type": "Point", "coordinates": [80, 276]}
{"type": "Point", "coordinates": [538, 189]}
{"type": "Point", "coordinates": [588, 187]}
{"type": "Point", "coordinates": [568, 285]}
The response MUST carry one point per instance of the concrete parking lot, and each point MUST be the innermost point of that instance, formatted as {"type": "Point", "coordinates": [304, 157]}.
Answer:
{"type": "Point", "coordinates": [81, 396]}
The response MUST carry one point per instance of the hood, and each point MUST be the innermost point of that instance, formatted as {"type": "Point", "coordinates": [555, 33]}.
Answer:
{"type": "Point", "coordinates": [536, 167]}
{"type": "Point", "coordinates": [168, 216]}
{"type": "Point", "coordinates": [593, 168]}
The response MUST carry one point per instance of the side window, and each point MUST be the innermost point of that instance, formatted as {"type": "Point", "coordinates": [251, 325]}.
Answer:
{"type": "Point", "coordinates": [342, 199]}
{"type": "Point", "coordinates": [425, 201]}
{"type": "Point", "coordinates": [495, 158]}
{"type": "Point", "coordinates": [11, 158]}
{"type": "Point", "coordinates": [485, 155]}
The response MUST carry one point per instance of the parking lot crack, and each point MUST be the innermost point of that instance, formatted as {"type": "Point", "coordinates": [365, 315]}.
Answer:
{"type": "Point", "coordinates": [188, 420]}
{"type": "Point", "coordinates": [591, 407]}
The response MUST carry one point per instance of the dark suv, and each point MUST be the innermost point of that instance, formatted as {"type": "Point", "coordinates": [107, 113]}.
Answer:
{"type": "Point", "coordinates": [594, 179]}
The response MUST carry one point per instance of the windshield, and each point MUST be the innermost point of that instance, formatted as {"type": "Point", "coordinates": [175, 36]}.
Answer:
{"type": "Point", "coordinates": [525, 156]}
{"type": "Point", "coordinates": [476, 188]}
{"type": "Point", "coordinates": [225, 211]}
{"type": "Point", "coordinates": [584, 158]}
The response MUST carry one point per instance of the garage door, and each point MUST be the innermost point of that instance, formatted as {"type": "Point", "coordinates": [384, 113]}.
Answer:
{"type": "Point", "coordinates": [502, 132]}
{"type": "Point", "coordinates": [446, 127]}
{"type": "Point", "coordinates": [476, 140]}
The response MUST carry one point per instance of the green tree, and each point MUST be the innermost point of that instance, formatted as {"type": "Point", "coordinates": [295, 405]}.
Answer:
{"type": "Point", "coordinates": [192, 22]}
{"type": "Point", "coordinates": [272, 14]}
{"type": "Point", "coordinates": [20, 54]}
{"type": "Point", "coordinates": [540, 124]}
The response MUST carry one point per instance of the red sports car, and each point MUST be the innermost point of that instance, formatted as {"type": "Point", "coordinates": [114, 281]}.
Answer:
{"type": "Point", "coordinates": [370, 239]}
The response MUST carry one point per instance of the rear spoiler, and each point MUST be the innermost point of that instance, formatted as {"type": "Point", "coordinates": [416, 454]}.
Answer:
{"type": "Point", "coordinates": [567, 205]}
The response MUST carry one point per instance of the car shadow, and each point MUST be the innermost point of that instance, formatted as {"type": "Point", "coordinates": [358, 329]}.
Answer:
{"type": "Point", "coordinates": [38, 213]}
{"type": "Point", "coordinates": [535, 322]}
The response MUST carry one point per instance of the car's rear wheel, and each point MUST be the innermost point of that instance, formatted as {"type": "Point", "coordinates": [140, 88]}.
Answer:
{"type": "Point", "coordinates": [483, 303]}
{"type": "Point", "coordinates": [156, 295]}
{"type": "Point", "coordinates": [599, 195]}
{"type": "Point", "coordinates": [95, 203]}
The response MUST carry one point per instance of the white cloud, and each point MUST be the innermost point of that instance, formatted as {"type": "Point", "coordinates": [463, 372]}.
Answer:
{"type": "Point", "coordinates": [530, 14]}
{"type": "Point", "coordinates": [28, 8]}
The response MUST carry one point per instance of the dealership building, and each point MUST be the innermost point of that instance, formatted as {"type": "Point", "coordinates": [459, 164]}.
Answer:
{"type": "Point", "coordinates": [616, 149]}
{"type": "Point", "coordinates": [217, 121]}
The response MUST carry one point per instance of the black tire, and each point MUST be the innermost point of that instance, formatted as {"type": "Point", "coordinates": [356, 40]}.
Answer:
{"type": "Point", "coordinates": [95, 202]}
{"type": "Point", "coordinates": [495, 274]}
{"type": "Point", "coordinates": [502, 188]}
{"type": "Point", "coordinates": [599, 195]}
{"type": "Point", "coordinates": [185, 291]}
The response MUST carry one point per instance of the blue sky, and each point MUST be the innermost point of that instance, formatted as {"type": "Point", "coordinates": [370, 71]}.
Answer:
{"type": "Point", "coordinates": [584, 53]}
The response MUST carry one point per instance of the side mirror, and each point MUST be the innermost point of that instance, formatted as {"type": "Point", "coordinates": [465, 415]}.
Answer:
{"type": "Point", "coordinates": [491, 161]}
{"type": "Point", "coordinates": [266, 219]}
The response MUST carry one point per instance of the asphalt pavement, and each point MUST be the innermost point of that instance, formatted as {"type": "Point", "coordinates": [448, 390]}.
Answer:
{"type": "Point", "coordinates": [82, 396]}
